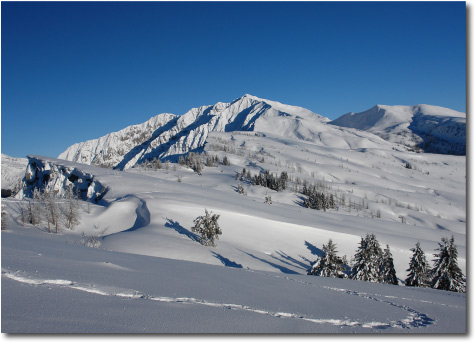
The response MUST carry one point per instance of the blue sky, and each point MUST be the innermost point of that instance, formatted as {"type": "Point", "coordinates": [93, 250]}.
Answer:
{"type": "Point", "coordinates": [77, 71]}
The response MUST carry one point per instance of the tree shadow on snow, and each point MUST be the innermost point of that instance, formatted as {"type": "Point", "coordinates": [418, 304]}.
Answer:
{"type": "Point", "coordinates": [181, 230]}
{"type": "Point", "coordinates": [300, 201]}
{"type": "Point", "coordinates": [226, 262]}
{"type": "Point", "coordinates": [280, 268]}
{"type": "Point", "coordinates": [287, 259]}
{"type": "Point", "coordinates": [313, 249]}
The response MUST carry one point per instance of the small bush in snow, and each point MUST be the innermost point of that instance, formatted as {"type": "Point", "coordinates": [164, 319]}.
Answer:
{"type": "Point", "coordinates": [240, 189]}
{"type": "Point", "coordinates": [90, 241]}
{"type": "Point", "coordinates": [207, 228]}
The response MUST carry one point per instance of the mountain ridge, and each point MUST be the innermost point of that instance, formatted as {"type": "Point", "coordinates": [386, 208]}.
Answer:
{"type": "Point", "coordinates": [167, 136]}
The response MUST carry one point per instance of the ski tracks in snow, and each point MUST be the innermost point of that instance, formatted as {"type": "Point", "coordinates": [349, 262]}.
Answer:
{"type": "Point", "coordinates": [414, 318]}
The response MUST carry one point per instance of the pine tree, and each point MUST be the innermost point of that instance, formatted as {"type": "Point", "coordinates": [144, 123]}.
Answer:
{"type": "Point", "coordinates": [446, 275]}
{"type": "Point", "coordinates": [368, 260]}
{"type": "Point", "coordinates": [388, 273]}
{"type": "Point", "coordinates": [226, 161]}
{"type": "Point", "coordinates": [418, 268]}
{"type": "Point", "coordinates": [208, 229]}
{"type": "Point", "coordinates": [329, 264]}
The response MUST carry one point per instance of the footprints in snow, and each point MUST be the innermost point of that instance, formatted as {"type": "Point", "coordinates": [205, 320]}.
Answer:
{"type": "Point", "coordinates": [413, 320]}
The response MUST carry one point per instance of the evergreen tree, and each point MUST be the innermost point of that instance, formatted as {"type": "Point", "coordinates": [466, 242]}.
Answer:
{"type": "Point", "coordinates": [418, 268]}
{"type": "Point", "coordinates": [248, 175]}
{"type": "Point", "coordinates": [243, 173]}
{"type": "Point", "coordinates": [446, 275]}
{"type": "Point", "coordinates": [368, 260]}
{"type": "Point", "coordinates": [208, 229]}
{"type": "Point", "coordinates": [329, 265]}
{"type": "Point", "coordinates": [226, 161]}
{"type": "Point", "coordinates": [388, 273]}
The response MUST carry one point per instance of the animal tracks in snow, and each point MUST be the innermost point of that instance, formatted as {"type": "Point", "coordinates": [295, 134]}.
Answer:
{"type": "Point", "coordinates": [414, 318]}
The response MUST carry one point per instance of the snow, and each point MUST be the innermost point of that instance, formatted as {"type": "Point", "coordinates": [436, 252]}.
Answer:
{"type": "Point", "coordinates": [175, 135]}
{"type": "Point", "coordinates": [150, 273]}
{"type": "Point", "coordinates": [412, 125]}
{"type": "Point", "coordinates": [86, 293]}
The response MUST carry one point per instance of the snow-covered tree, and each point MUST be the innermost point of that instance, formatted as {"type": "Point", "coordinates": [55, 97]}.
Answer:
{"type": "Point", "coordinates": [388, 273]}
{"type": "Point", "coordinates": [268, 200]}
{"type": "Point", "coordinates": [240, 189]}
{"type": "Point", "coordinates": [208, 228]}
{"type": "Point", "coordinates": [418, 268]}
{"type": "Point", "coordinates": [446, 275]}
{"type": "Point", "coordinates": [367, 260]}
{"type": "Point", "coordinates": [226, 161]}
{"type": "Point", "coordinates": [329, 264]}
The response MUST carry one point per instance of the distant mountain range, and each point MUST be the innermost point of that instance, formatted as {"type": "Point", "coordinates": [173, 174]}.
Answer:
{"type": "Point", "coordinates": [167, 136]}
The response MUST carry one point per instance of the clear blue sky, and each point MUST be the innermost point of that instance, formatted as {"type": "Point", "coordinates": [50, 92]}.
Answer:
{"type": "Point", "coordinates": [77, 71]}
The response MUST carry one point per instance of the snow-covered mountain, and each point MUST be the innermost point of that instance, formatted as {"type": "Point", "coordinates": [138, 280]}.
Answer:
{"type": "Point", "coordinates": [168, 135]}
{"type": "Point", "coordinates": [430, 128]}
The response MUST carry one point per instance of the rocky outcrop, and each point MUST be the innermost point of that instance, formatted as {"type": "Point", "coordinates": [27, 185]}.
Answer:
{"type": "Point", "coordinates": [47, 175]}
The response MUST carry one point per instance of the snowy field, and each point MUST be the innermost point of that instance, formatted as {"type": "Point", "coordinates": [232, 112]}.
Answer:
{"type": "Point", "coordinates": [52, 285]}
{"type": "Point", "coordinates": [150, 274]}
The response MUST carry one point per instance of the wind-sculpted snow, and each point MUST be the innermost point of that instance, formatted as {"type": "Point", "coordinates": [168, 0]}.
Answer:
{"type": "Point", "coordinates": [168, 136]}
{"type": "Point", "coordinates": [430, 128]}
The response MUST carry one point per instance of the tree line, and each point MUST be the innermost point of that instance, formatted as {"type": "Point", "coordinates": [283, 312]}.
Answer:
{"type": "Point", "coordinates": [372, 263]}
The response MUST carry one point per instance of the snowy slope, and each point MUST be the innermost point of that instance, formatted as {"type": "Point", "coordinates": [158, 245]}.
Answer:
{"type": "Point", "coordinates": [178, 135]}
{"type": "Point", "coordinates": [49, 286]}
{"type": "Point", "coordinates": [143, 224]}
{"type": "Point", "coordinates": [13, 170]}
{"type": "Point", "coordinates": [151, 213]}
{"type": "Point", "coordinates": [432, 128]}
{"type": "Point", "coordinates": [149, 273]}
